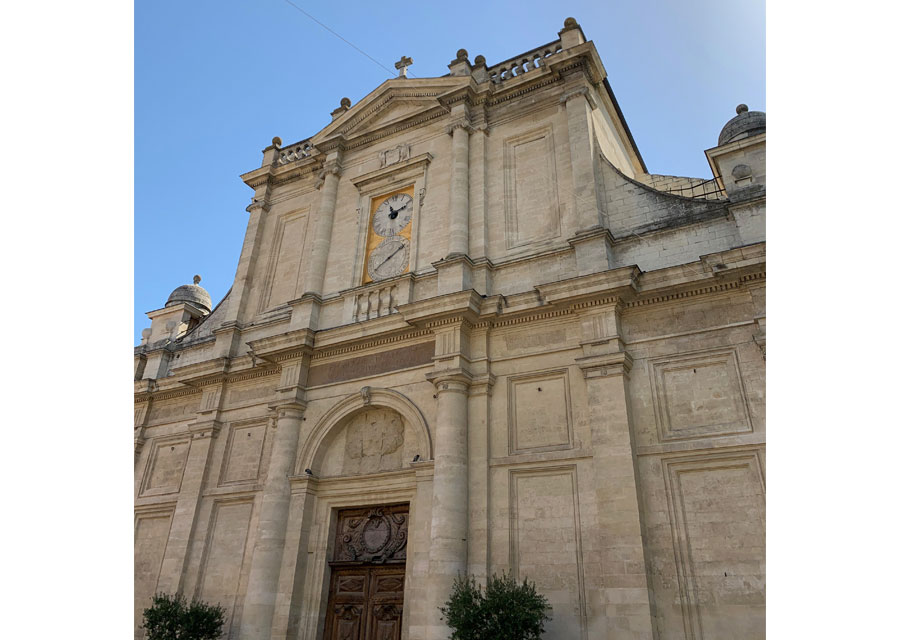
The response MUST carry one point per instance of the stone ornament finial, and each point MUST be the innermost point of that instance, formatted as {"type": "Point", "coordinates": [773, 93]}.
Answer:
{"type": "Point", "coordinates": [197, 279]}
{"type": "Point", "coordinates": [345, 106]}
{"type": "Point", "coordinates": [480, 61]}
{"type": "Point", "coordinates": [570, 23]}
{"type": "Point", "coordinates": [741, 108]}
{"type": "Point", "coordinates": [276, 141]}
{"type": "Point", "coordinates": [461, 55]}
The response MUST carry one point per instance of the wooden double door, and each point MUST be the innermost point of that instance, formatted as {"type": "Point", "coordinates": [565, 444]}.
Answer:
{"type": "Point", "coordinates": [365, 603]}
{"type": "Point", "coordinates": [368, 574]}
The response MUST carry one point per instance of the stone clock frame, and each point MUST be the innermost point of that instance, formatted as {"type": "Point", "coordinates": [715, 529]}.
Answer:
{"type": "Point", "coordinates": [375, 184]}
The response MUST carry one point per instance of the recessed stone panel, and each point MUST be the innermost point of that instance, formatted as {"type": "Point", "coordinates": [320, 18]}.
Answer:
{"type": "Point", "coordinates": [244, 452]}
{"type": "Point", "coordinates": [151, 532]}
{"type": "Point", "coordinates": [165, 467]}
{"type": "Point", "coordinates": [717, 507]}
{"type": "Point", "coordinates": [699, 394]}
{"type": "Point", "coordinates": [545, 544]}
{"type": "Point", "coordinates": [532, 204]}
{"type": "Point", "coordinates": [540, 412]}
{"type": "Point", "coordinates": [284, 263]}
{"type": "Point", "coordinates": [225, 555]}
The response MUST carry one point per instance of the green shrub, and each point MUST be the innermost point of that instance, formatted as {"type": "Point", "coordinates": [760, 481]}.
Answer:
{"type": "Point", "coordinates": [504, 610]}
{"type": "Point", "coordinates": [172, 618]}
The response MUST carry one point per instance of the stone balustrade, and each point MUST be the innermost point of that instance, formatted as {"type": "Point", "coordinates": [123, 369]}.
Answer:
{"type": "Point", "coordinates": [523, 63]}
{"type": "Point", "coordinates": [295, 152]}
{"type": "Point", "coordinates": [375, 302]}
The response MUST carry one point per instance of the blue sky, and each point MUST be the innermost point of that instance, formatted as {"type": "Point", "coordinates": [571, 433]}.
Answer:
{"type": "Point", "coordinates": [216, 80]}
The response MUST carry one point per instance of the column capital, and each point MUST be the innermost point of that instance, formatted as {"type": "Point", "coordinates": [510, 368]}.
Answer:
{"type": "Point", "coordinates": [605, 365]}
{"type": "Point", "coordinates": [204, 429]}
{"type": "Point", "coordinates": [482, 385]}
{"type": "Point", "coordinates": [258, 203]}
{"type": "Point", "coordinates": [577, 92]}
{"type": "Point", "coordinates": [288, 410]}
{"type": "Point", "coordinates": [452, 380]}
{"type": "Point", "coordinates": [463, 124]}
{"type": "Point", "coordinates": [331, 168]}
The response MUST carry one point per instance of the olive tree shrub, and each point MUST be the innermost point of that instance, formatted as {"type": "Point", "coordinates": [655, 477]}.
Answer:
{"type": "Point", "coordinates": [172, 618]}
{"type": "Point", "coordinates": [503, 610]}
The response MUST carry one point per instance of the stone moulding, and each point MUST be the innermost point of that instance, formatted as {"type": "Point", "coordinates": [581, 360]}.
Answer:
{"type": "Point", "coordinates": [674, 467]}
{"type": "Point", "coordinates": [316, 443]}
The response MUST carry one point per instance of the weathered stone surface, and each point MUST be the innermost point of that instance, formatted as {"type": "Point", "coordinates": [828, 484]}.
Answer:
{"type": "Point", "coordinates": [568, 381]}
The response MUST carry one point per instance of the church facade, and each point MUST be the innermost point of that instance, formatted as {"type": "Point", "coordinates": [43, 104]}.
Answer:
{"type": "Point", "coordinates": [469, 333]}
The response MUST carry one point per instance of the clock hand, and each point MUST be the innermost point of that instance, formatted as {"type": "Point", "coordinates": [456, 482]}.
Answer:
{"type": "Point", "coordinates": [388, 258]}
{"type": "Point", "coordinates": [393, 214]}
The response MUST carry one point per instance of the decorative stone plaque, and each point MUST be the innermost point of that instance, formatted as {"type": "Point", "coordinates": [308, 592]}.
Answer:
{"type": "Point", "coordinates": [372, 535]}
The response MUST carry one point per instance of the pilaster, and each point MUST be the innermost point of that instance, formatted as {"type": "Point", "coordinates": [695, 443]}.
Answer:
{"type": "Point", "coordinates": [625, 602]}
{"type": "Point", "coordinates": [329, 178]}
{"type": "Point", "coordinates": [203, 430]}
{"type": "Point", "coordinates": [141, 414]}
{"type": "Point", "coordinates": [459, 128]}
{"type": "Point", "coordinates": [240, 291]}
{"type": "Point", "coordinates": [478, 181]}
{"type": "Point", "coordinates": [454, 274]}
{"type": "Point", "coordinates": [292, 577]}
{"type": "Point", "coordinates": [451, 378]}
{"type": "Point", "coordinates": [478, 556]}
{"type": "Point", "coordinates": [579, 101]}
{"type": "Point", "coordinates": [593, 251]}
{"type": "Point", "coordinates": [265, 567]}
{"type": "Point", "coordinates": [449, 504]}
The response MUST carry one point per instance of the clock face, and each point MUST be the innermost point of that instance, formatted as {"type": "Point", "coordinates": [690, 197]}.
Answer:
{"type": "Point", "coordinates": [392, 215]}
{"type": "Point", "coordinates": [390, 258]}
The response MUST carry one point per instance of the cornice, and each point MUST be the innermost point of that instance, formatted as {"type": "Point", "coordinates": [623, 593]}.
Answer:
{"type": "Point", "coordinates": [615, 282]}
{"type": "Point", "coordinates": [284, 346]}
{"type": "Point", "coordinates": [530, 317]}
{"type": "Point", "coordinates": [681, 295]}
{"type": "Point", "coordinates": [421, 160]}
{"type": "Point", "coordinates": [461, 304]}
{"type": "Point", "coordinates": [518, 90]}
{"type": "Point", "coordinates": [604, 365]}
{"type": "Point", "coordinates": [378, 104]}
{"type": "Point", "coordinates": [395, 127]}
{"type": "Point", "coordinates": [397, 340]}
{"type": "Point", "coordinates": [297, 170]}
{"type": "Point", "coordinates": [158, 396]}
{"type": "Point", "coordinates": [257, 372]}
{"type": "Point", "coordinates": [202, 373]}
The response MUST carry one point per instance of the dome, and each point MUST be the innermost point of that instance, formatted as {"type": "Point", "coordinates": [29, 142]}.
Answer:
{"type": "Point", "coordinates": [745, 124]}
{"type": "Point", "coordinates": [192, 294]}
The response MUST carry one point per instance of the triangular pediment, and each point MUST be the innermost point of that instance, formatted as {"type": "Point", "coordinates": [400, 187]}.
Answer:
{"type": "Point", "coordinates": [393, 110]}
{"type": "Point", "coordinates": [394, 101]}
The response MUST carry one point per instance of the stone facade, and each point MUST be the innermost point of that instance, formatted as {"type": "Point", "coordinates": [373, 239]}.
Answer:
{"type": "Point", "coordinates": [567, 381]}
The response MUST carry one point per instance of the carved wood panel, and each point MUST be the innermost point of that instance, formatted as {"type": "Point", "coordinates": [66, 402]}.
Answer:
{"type": "Point", "coordinates": [368, 574]}
{"type": "Point", "coordinates": [365, 603]}
{"type": "Point", "coordinates": [372, 535]}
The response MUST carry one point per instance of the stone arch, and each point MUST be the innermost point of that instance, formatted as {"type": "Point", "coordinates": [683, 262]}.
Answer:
{"type": "Point", "coordinates": [366, 398]}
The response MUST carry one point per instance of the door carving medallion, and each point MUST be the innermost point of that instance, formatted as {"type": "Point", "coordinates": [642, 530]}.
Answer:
{"type": "Point", "coordinates": [368, 574]}
{"type": "Point", "coordinates": [374, 536]}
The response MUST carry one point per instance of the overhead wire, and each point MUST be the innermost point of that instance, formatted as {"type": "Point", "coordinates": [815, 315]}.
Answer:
{"type": "Point", "coordinates": [335, 33]}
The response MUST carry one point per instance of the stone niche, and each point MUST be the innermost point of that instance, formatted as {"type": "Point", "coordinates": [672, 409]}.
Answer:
{"type": "Point", "coordinates": [372, 440]}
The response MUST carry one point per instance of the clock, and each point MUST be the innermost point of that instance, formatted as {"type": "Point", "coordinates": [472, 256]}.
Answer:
{"type": "Point", "coordinates": [388, 248]}
{"type": "Point", "coordinates": [389, 259]}
{"type": "Point", "coordinates": [393, 215]}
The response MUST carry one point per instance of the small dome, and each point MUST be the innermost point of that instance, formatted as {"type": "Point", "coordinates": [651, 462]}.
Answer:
{"type": "Point", "coordinates": [192, 294]}
{"type": "Point", "coordinates": [745, 124]}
